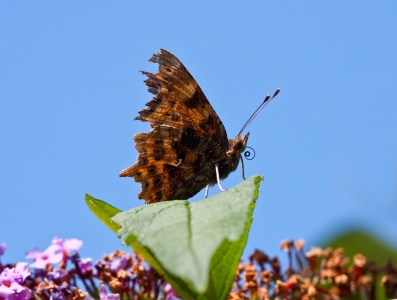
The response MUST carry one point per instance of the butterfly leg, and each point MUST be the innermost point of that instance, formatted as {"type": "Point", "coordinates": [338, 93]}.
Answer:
{"type": "Point", "coordinates": [206, 190]}
{"type": "Point", "coordinates": [242, 166]}
{"type": "Point", "coordinates": [217, 178]}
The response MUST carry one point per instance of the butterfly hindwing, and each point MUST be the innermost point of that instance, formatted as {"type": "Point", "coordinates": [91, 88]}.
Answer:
{"type": "Point", "coordinates": [172, 164]}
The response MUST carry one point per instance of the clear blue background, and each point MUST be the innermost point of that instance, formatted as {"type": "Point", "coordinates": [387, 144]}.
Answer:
{"type": "Point", "coordinates": [70, 88]}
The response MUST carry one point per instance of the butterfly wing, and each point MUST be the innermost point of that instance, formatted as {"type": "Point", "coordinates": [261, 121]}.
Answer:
{"type": "Point", "coordinates": [176, 159]}
{"type": "Point", "coordinates": [179, 102]}
{"type": "Point", "coordinates": [172, 164]}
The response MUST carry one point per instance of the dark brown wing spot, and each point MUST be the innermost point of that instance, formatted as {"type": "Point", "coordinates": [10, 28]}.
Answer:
{"type": "Point", "coordinates": [207, 122]}
{"type": "Point", "coordinates": [158, 98]}
{"type": "Point", "coordinates": [175, 117]}
{"type": "Point", "coordinates": [157, 181]}
{"type": "Point", "coordinates": [152, 170]}
{"type": "Point", "coordinates": [159, 153]}
{"type": "Point", "coordinates": [171, 103]}
{"type": "Point", "coordinates": [210, 120]}
{"type": "Point", "coordinates": [194, 101]}
{"type": "Point", "coordinates": [173, 144]}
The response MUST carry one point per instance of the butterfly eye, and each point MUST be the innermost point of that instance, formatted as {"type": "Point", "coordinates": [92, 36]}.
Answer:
{"type": "Point", "coordinates": [247, 153]}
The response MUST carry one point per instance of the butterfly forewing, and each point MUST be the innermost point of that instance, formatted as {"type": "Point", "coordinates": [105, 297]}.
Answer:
{"type": "Point", "coordinates": [179, 101]}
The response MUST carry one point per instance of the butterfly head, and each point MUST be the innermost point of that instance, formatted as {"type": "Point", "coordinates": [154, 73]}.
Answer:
{"type": "Point", "coordinates": [236, 147]}
{"type": "Point", "coordinates": [239, 143]}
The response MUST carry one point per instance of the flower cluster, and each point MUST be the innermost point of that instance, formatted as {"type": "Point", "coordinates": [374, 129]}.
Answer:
{"type": "Point", "coordinates": [316, 274]}
{"type": "Point", "coordinates": [59, 273]}
{"type": "Point", "coordinates": [11, 282]}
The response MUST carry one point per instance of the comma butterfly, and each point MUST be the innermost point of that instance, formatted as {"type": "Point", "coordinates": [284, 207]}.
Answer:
{"type": "Point", "coordinates": [188, 148]}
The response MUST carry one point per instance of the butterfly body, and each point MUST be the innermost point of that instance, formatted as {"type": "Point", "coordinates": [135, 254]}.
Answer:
{"type": "Point", "coordinates": [179, 156]}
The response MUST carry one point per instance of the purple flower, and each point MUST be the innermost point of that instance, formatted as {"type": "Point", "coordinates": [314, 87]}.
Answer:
{"type": "Point", "coordinates": [50, 256]}
{"type": "Point", "coordinates": [11, 281]}
{"type": "Point", "coordinates": [2, 248]}
{"type": "Point", "coordinates": [119, 263]}
{"type": "Point", "coordinates": [16, 274]}
{"type": "Point", "coordinates": [67, 245]}
{"type": "Point", "coordinates": [170, 293]}
{"type": "Point", "coordinates": [57, 274]}
{"type": "Point", "coordinates": [60, 292]}
{"type": "Point", "coordinates": [14, 292]}
{"type": "Point", "coordinates": [57, 294]}
{"type": "Point", "coordinates": [54, 253]}
{"type": "Point", "coordinates": [85, 265]}
{"type": "Point", "coordinates": [105, 296]}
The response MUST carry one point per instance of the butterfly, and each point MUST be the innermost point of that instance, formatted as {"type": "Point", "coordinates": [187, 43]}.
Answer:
{"type": "Point", "coordinates": [187, 148]}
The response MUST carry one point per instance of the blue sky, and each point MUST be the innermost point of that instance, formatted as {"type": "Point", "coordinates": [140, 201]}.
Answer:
{"type": "Point", "coordinates": [70, 88]}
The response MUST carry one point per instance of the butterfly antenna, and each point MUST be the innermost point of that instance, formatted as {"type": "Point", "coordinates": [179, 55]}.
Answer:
{"type": "Point", "coordinates": [259, 109]}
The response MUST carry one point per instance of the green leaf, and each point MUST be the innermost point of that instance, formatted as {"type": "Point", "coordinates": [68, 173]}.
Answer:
{"type": "Point", "coordinates": [103, 211]}
{"type": "Point", "coordinates": [197, 247]}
